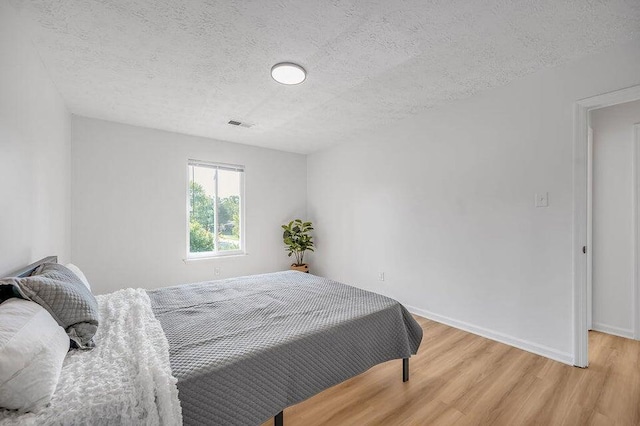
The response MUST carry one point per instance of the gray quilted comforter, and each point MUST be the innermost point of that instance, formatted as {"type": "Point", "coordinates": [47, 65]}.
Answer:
{"type": "Point", "coordinates": [244, 349]}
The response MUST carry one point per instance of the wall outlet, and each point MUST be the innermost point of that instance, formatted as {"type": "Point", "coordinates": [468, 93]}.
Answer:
{"type": "Point", "coordinates": [381, 276]}
{"type": "Point", "coordinates": [542, 199]}
{"type": "Point", "coordinates": [216, 271]}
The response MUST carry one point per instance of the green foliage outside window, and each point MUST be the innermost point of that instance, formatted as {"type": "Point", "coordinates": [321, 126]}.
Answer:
{"type": "Point", "coordinates": [229, 209]}
{"type": "Point", "coordinates": [200, 239]}
{"type": "Point", "coordinates": [202, 221]}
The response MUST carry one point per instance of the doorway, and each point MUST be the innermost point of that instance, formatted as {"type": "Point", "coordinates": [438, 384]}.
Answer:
{"type": "Point", "coordinates": [582, 270]}
{"type": "Point", "coordinates": [612, 220]}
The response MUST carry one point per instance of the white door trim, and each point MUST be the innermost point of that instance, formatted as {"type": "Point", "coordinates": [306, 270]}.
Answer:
{"type": "Point", "coordinates": [589, 228]}
{"type": "Point", "coordinates": [636, 231]}
{"type": "Point", "coordinates": [580, 147]}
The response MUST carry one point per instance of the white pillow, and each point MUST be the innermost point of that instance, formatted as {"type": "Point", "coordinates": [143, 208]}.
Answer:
{"type": "Point", "coordinates": [73, 268]}
{"type": "Point", "coordinates": [32, 350]}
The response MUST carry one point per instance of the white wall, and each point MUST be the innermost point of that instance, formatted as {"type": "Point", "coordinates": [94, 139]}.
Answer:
{"type": "Point", "coordinates": [34, 153]}
{"type": "Point", "coordinates": [613, 263]}
{"type": "Point", "coordinates": [129, 205]}
{"type": "Point", "coordinates": [443, 203]}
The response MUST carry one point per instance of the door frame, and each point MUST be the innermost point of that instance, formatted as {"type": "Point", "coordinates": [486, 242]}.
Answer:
{"type": "Point", "coordinates": [589, 227]}
{"type": "Point", "coordinates": [581, 198]}
{"type": "Point", "coordinates": [636, 231]}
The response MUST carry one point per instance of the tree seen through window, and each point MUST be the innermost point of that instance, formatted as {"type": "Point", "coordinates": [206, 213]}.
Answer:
{"type": "Point", "coordinates": [214, 209]}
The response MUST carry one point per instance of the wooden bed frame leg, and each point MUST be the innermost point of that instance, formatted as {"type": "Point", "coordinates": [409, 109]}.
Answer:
{"type": "Point", "coordinates": [405, 369]}
{"type": "Point", "coordinates": [278, 420]}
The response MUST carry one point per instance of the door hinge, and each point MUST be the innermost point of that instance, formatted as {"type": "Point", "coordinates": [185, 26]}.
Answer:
{"type": "Point", "coordinates": [584, 249]}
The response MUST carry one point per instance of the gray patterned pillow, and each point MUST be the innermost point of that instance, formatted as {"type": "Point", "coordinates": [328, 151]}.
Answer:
{"type": "Point", "coordinates": [66, 298]}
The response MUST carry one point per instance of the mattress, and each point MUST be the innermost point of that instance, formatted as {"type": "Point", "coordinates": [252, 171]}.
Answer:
{"type": "Point", "coordinates": [244, 349]}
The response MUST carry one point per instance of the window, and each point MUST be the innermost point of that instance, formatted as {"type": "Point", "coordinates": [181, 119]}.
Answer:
{"type": "Point", "coordinates": [215, 209]}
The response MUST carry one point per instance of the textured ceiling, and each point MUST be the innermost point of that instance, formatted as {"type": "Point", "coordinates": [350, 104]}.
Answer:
{"type": "Point", "coordinates": [191, 66]}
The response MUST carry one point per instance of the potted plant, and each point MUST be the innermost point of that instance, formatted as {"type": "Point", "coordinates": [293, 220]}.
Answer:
{"type": "Point", "coordinates": [297, 240]}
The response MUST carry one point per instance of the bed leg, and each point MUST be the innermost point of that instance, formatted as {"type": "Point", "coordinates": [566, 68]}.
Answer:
{"type": "Point", "coordinates": [278, 420]}
{"type": "Point", "coordinates": [405, 369]}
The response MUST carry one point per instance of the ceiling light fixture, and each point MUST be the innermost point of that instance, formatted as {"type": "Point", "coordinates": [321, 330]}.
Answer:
{"type": "Point", "coordinates": [288, 73]}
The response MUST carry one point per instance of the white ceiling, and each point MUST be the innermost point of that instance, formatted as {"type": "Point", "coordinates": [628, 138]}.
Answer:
{"type": "Point", "coordinates": [191, 66]}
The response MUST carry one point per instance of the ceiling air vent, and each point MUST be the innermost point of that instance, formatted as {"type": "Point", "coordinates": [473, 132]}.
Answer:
{"type": "Point", "coordinates": [239, 123]}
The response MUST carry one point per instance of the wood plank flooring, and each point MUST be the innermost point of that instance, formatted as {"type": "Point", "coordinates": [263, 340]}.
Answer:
{"type": "Point", "coordinates": [458, 378]}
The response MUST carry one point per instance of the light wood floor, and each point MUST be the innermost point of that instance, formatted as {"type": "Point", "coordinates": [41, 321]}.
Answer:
{"type": "Point", "coordinates": [458, 378]}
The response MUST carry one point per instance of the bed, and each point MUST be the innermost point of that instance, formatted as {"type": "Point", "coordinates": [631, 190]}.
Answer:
{"type": "Point", "coordinates": [236, 351]}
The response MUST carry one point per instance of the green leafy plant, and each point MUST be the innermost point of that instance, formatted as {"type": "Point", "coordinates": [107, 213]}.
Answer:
{"type": "Point", "coordinates": [297, 239]}
{"type": "Point", "coordinates": [199, 238]}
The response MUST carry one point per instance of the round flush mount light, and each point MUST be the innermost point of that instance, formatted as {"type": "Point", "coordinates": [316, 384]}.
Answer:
{"type": "Point", "coordinates": [288, 73]}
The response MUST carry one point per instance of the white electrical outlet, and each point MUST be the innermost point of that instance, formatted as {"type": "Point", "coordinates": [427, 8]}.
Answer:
{"type": "Point", "coordinates": [216, 271]}
{"type": "Point", "coordinates": [542, 199]}
{"type": "Point", "coordinates": [381, 276]}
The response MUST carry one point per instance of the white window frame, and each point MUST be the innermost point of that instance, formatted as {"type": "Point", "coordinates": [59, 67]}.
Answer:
{"type": "Point", "coordinates": [216, 253]}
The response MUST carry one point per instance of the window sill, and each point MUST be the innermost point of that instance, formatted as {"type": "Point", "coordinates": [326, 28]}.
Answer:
{"type": "Point", "coordinates": [214, 257]}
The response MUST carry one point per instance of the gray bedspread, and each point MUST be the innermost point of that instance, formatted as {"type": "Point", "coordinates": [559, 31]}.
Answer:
{"type": "Point", "coordinates": [244, 349]}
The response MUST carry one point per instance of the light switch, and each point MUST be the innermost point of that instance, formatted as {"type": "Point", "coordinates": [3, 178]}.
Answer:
{"type": "Point", "coordinates": [542, 199]}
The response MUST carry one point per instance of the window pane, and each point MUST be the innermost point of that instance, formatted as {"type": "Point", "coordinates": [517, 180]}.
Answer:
{"type": "Point", "coordinates": [202, 187]}
{"type": "Point", "coordinates": [228, 210]}
{"type": "Point", "coordinates": [215, 212]}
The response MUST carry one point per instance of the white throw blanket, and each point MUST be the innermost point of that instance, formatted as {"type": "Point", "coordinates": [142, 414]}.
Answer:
{"type": "Point", "coordinates": [126, 379]}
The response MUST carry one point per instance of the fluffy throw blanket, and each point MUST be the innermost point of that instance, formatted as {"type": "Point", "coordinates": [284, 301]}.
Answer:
{"type": "Point", "coordinates": [125, 379]}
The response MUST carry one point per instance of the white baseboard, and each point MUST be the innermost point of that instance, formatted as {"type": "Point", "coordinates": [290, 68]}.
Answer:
{"type": "Point", "coordinates": [525, 345]}
{"type": "Point", "coordinates": [609, 329]}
